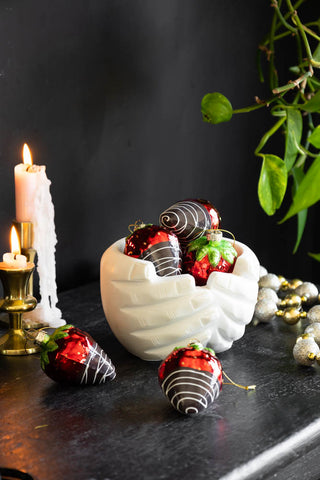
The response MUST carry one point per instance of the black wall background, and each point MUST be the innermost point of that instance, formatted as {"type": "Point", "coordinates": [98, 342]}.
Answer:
{"type": "Point", "coordinates": [107, 95]}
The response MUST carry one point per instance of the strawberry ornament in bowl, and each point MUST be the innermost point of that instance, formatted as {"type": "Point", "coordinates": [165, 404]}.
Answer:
{"type": "Point", "coordinates": [157, 245]}
{"type": "Point", "coordinates": [207, 254]}
{"type": "Point", "coordinates": [190, 218]}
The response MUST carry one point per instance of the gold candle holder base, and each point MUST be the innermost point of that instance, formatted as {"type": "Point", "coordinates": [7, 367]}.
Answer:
{"type": "Point", "coordinates": [14, 342]}
{"type": "Point", "coordinates": [33, 318]}
{"type": "Point", "coordinates": [16, 301]}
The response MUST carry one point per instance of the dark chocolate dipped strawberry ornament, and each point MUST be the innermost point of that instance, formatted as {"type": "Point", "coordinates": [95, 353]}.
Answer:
{"type": "Point", "coordinates": [191, 378]}
{"type": "Point", "coordinates": [190, 218]}
{"type": "Point", "coordinates": [70, 355]}
{"type": "Point", "coordinates": [207, 254]}
{"type": "Point", "coordinates": [157, 245]}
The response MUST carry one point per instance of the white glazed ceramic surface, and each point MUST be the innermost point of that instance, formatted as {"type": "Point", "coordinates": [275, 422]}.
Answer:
{"type": "Point", "coordinates": [151, 315]}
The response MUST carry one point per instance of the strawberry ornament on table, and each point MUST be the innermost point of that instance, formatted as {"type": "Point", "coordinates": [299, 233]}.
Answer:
{"type": "Point", "coordinates": [190, 218]}
{"type": "Point", "coordinates": [157, 245]}
{"type": "Point", "coordinates": [207, 254]}
{"type": "Point", "coordinates": [191, 378]}
{"type": "Point", "coordinates": [70, 355]}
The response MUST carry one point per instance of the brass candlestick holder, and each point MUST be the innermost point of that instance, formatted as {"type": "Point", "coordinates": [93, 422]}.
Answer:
{"type": "Point", "coordinates": [25, 234]}
{"type": "Point", "coordinates": [32, 319]}
{"type": "Point", "coordinates": [16, 301]}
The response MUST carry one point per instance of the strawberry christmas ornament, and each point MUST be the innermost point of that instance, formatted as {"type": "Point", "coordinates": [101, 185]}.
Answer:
{"type": "Point", "coordinates": [157, 245]}
{"type": "Point", "coordinates": [191, 378]}
{"type": "Point", "coordinates": [189, 219]}
{"type": "Point", "coordinates": [213, 212]}
{"type": "Point", "coordinates": [207, 254]}
{"type": "Point", "coordinates": [70, 355]}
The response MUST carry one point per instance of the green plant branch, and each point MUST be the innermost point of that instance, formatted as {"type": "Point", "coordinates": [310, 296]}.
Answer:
{"type": "Point", "coordinates": [292, 83]}
{"type": "Point", "coordinates": [297, 21]}
{"type": "Point", "coordinates": [269, 134]}
{"type": "Point", "coordinates": [311, 32]}
{"type": "Point", "coordinates": [301, 149]}
{"type": "Point", "coordinates": [282, 20]}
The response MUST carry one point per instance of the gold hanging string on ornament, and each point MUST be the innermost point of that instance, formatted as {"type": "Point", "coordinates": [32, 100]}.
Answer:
{"type": "Point", "coordinates": [28, 334]}
{"type": "Point", "coordinates": [217, 230]}
{"type": "Point", "coordinates": [33, 330]}
{"type": "Point", "coordinates": [231, 382]}
{"type": "Point", "coordinates": [230, 233]}
{"type": "Point", "coordinates": [137, 224]}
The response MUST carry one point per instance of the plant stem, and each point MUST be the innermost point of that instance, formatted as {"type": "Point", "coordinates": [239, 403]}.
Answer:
{"type": "Point", "coordinates": [269, 134]}
{"type": "Point", "coordinates": [256, 106]}
{"type": "Point", "coordinates": [272, 70]}
{"type": "Point", "coordinates": [311, 32]}
{"type": "Point", "coordinates": [291, 84]}
{"type": "Point", "coordinates": [296, 19]}
{"type": "Point", "coordinates": [306, 152]}
{"type": "Point", "coordinates": [287, 25]}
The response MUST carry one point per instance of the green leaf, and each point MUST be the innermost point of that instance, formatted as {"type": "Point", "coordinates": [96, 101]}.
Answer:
{"type": "Point", "coordinates": [210, 350]}
{"type": "Point", "coordinates": [316, 256]}
{"type": "Point", "coordinates": [228, 256]}
{"type": "Point", "coordinates": [61, 332]}
{"type": "Point", "coordinates": [293, 137]}
{"type": "Point", "coordinates": [51, 345]}
{"type": "Point", "coordinates": [308, 192]}
{"type": "Point", "coordinates": [202, 252]}
{"type": "Point", "coordinates": [313, 105]}
{"type": "Point", "coordinates": [216, 108]}
{"type": "Point", "coordinates": [272, 183]}
{"type": "Point", "coordinates": [314, 138]}
{"type": "Point", "coordinates": [197, 243]}
{"type": "Point", "coordinates": [316, 53]}
{"type": "Point", "coordinates": [214, 257]}
{"type": "Point", "coordinates": [298, 176]}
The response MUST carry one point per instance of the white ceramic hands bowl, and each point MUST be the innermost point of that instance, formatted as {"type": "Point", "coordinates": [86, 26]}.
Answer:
{"type": "Point", "coordinates": [151, 315]}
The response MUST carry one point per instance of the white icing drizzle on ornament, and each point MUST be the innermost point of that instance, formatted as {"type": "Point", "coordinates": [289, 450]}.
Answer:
{"type": "Point", "coordinates": [192, 388]}
{"type": "Point", "coordinates": [192, 219]}
{"type": "Point", "coordinates": [165, 266]}
{"type": "Point", "coordinates": [103, 362]}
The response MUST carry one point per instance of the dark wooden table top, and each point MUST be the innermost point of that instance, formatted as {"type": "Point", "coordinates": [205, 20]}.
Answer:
{"type": "Point", "coordinates": [126, 429]}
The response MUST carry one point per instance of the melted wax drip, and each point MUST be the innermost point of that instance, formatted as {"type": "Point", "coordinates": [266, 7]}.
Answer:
{"type": "Point", "coordinates": [44, 243]}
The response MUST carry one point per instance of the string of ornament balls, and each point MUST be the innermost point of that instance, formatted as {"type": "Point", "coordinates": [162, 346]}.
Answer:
{"type": "Point", "coordinates": [292, 301]}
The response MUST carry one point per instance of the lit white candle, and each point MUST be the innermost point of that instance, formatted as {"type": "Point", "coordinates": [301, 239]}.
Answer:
{"type": "Point", "coordinates": [34, 204]}
{"type": "Point", "coordinates": [14, 259]}
{"type": "Point", "coordinates": [27, 179]}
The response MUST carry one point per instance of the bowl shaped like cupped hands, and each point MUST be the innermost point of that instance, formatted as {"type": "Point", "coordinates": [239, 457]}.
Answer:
{"type": "Point", "coordinates": [151, 315]}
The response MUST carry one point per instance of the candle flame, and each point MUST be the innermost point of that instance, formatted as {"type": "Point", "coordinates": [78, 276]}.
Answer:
{"type": "Point", "coordinates": [14, 240]}
{"type": "Point", "coordinates": [27, 157]}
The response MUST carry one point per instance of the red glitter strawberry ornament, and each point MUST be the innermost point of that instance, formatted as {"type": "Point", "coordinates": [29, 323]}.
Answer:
{"type": "Point", "coordinates": [207, 254]}
{"type": "Point", "coordinates": [157, 245]}
{"type": "Point", "coordinates": [213, 212]}
{"type": "Point", "coordinates": [70, 355]}
{"type": "Point", "coordinates": [191, 378]}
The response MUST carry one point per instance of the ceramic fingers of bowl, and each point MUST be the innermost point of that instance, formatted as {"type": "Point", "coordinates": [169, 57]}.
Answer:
{"type": "Point", "coordinates": [151, 315]}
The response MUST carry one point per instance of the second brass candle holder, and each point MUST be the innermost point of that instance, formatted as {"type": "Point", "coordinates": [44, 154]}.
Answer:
{"type": "Point", "coordinates": [16, 301]}
{"type": "Point", "coordinates": [25, 234]}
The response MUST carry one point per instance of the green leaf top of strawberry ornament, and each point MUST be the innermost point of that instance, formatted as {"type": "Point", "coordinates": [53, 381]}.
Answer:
{"type": "Point", "coordinates": [215, 247]}
{"type": "Point", "coordinates": [207, 254]}
{"type": "Point", "coordinates": [49, 344]}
